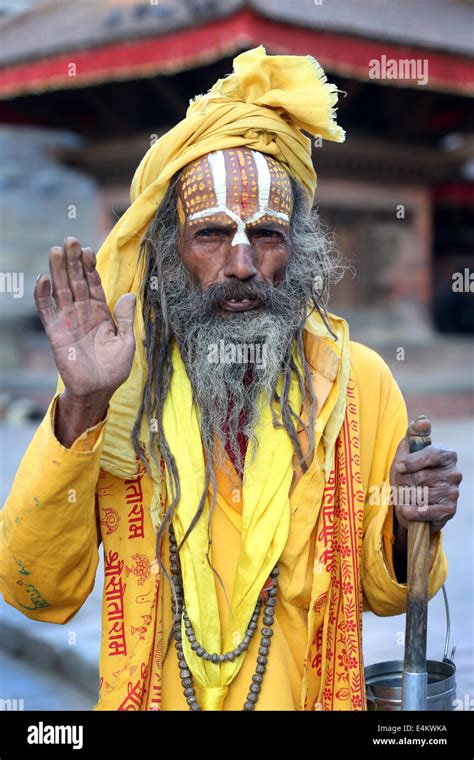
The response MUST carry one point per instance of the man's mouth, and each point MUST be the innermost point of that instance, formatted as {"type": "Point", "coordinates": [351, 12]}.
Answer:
{"type": "Point", "coordinates": [241, 304]}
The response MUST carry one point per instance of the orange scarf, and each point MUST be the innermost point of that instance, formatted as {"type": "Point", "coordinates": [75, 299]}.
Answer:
{"type": "Point", "coordinates": [334, 667]}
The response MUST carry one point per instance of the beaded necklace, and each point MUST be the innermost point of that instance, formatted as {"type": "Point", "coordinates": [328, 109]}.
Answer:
{"type": "Point", "coordinates": [267, 599]}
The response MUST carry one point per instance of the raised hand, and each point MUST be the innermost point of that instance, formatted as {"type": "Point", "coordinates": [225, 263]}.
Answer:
{"type": "Point", "coordinates": [93, 350]}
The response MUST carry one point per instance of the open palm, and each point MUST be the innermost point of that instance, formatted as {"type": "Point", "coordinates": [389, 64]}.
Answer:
{"type": "Point", "coordinates": [93, 350]}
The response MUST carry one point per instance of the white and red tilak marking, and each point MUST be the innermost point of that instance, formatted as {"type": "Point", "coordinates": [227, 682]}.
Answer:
{"type": "Point", "coordinates": [251, 181]}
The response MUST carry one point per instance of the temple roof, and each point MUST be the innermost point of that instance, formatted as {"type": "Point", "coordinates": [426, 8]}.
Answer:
{"type": "Point", "coordinates": [114, 40]}
{"type": "Point", "coordinates": [54, 26]}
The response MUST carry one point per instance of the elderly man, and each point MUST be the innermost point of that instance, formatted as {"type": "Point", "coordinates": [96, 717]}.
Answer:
{"type": "Point", "coordinates": [239, 462]}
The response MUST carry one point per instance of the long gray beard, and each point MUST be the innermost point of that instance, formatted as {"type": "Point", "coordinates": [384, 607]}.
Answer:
{"type": "Point", "coordinates": [232, 361]}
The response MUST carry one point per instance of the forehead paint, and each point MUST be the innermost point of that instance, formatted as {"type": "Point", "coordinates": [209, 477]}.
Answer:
{"type": "Point", "coordinates": [242, 184]}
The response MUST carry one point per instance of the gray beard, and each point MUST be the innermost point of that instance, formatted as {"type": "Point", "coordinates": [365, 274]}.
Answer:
{"type": "Point", "coordinates": [232, 359]}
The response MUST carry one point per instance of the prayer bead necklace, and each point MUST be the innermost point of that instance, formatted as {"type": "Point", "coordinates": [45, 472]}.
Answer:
{"type": "Point", "coordinates": [267, 599]}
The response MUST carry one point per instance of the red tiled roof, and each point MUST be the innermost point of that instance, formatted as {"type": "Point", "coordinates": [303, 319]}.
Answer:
{"type": "Point", "coordinates": [54, 26]}
{"type": "Point", "coordinates": [111, 40]}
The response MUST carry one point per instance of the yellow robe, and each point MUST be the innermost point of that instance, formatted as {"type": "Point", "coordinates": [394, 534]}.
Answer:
{"type": "Point", "coordinates": [62, 505]}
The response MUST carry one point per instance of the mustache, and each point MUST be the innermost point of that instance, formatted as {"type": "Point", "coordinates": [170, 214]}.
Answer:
{"type": "Point", "coordinates": [215, 295]}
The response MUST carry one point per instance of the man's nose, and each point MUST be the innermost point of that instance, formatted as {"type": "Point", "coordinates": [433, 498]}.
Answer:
{"type": "Point", "coordinates": [240, 262]}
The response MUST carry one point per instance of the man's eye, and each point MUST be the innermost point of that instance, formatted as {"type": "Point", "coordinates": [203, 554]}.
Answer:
{"type": "Point", "coordinates": [208, 232]}
{"type": "Point", "coordinates": [268, 233]}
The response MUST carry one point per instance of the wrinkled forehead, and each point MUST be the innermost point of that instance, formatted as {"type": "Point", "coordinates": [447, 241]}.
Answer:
{"type": "Point", "coordinates": [237, 182]}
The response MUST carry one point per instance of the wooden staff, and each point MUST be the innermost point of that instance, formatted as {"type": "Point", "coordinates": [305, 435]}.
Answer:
{"type": "Point", "coordinates": [415, 676]}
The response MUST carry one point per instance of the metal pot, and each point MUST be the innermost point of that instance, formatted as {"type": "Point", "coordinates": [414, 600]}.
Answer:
{"type": "Point", "coordinates": [383, 680]}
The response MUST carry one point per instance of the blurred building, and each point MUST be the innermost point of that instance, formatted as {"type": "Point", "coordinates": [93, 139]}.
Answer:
{"type": "Point", "coordinates": [399, 192]}
{"type": "Point", "coordinates": [11, 7]}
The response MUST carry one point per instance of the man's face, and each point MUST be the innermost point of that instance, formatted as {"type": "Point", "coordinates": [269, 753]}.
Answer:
{"type": "Point", "coordinates": [235, 207]}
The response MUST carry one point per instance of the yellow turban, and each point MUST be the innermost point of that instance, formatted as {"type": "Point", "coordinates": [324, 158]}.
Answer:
{"type": "Point", "coordinates": [264, 104]}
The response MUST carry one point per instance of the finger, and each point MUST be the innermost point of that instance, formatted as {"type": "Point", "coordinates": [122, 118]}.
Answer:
{"type": "Point", "coordinates": [60, 282]}
{"type": "Point", "coordinates": [42, 296]}
{"type": "Point", "coordinates": [440, 478]}
{"type": "Point", "coordinates": [435, 521]}
{"type": "Point", "coordinates": [420, 426]}
{"type": "Point", "coordinates": [75, 270]}
{"type": "Point", "coordinates": [431, 456]}
{"type": "Point", "coordinates": [123, 314]}
{"type": "Point", "coordinates": [429, 512]}
{"type": "Point", "coordinates": [92, 276]}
